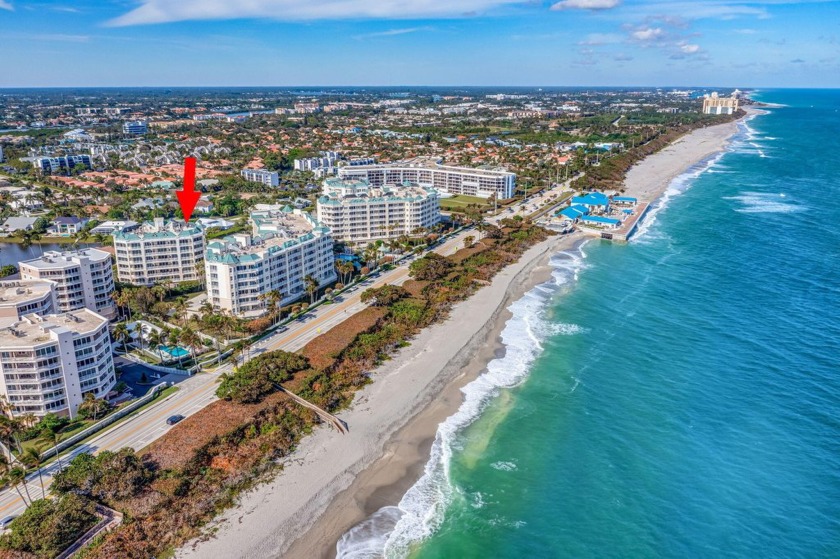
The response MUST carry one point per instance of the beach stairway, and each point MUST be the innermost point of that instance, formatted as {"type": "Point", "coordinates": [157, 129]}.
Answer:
{"type": "Point", "coordinates": [326, 416]}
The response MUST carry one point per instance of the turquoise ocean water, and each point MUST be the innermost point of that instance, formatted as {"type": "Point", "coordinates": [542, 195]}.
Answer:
{"type": "Point", "coordinates": [678, 396]}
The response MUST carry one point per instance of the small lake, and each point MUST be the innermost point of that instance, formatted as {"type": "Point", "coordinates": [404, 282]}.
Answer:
{"type": "Point", "coordinates": [14, 253]}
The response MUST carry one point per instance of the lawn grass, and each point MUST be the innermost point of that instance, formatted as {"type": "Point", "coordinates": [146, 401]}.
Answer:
{"type": "Point", "coordinates": [459, 202]}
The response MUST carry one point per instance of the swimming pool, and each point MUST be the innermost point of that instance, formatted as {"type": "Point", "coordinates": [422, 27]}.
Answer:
{"type": "Point", "coordinates": [174, 351]}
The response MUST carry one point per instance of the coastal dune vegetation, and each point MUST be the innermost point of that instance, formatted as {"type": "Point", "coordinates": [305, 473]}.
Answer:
{"type": "Point", "coordinates": [171, 489]}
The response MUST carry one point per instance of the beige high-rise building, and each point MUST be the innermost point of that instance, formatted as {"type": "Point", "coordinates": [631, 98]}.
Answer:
{"type": "Point", "coordinates": [159, 251]}
{"type": "Point", "coordinates": [359, 213]}
{"type": "Point", "coordinates": [716, 105]}
{"type": "Point", "coordinates": [286, 246]}
{"type": "Point", "coordinates": [431, 173]}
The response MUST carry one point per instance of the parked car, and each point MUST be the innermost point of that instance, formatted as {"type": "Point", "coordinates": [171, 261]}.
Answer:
{"type": "Point", "coordinates": [173, 419]}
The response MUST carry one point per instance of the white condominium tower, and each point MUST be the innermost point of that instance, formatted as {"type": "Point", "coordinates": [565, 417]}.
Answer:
{"type": "Point", "coordinates": [83, 278]}
{"type": "Point", "coordinates": [286, 246]}
{"type": "Point", "coordinates": [159, 251]}
{"type": "Point", "coordinates": [20, 297]}
{"type": "Point", "coordinates": [356, 212]}
{"type": "Point", "coordinates": [263, 176]}
{"type": "Point", "coordinates": [49, 362]}
{"type": "Point", "coordinates": [430, 172]}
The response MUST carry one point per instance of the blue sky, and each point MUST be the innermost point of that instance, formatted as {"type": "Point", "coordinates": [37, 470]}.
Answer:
{"type": "Point", "coordinates": [771, 43]}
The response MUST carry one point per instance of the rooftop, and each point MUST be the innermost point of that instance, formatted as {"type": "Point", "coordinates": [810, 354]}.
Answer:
{"type": "Point", "coordinates": [159, 229]}
{"type": "Point", "coordinates": [13, 292]}
{"type": "Point", "coordinates": [275, 230]}
{"type": "Point", "coordinates": [431, 162]}
{"type": "Point", "coordinates": [55, 259]}
{"type": "Point", "coordinates": [337, 190]}
{"type": "Point", "coordinates": [592, 199]}
{"type": "Point", "coordinates": [33, 329]}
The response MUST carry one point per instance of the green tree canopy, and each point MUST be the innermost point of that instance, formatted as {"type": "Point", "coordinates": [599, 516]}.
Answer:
{"type": "Point", "coordinates": [384, 296]}
{"type": "Point", "coordinates": [106, 477]}
{"type": "Point", "coordinates": [49, 526]}
{"type": "Point", "coordinates": [431, 267]}
{"type": "Point", "coordinates": [257, 377]}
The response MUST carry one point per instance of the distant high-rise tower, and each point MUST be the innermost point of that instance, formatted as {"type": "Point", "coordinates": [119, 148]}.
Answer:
{"type": "Point", "coordinates": [715, 105]}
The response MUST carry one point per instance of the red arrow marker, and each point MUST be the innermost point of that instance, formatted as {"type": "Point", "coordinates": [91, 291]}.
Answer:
{"type": "Point", "coordinates": [188, 197]}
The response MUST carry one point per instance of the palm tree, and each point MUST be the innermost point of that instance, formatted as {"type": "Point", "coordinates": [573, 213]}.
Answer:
{"type": "Point", "coordinates": [121, 334]}
{"type": "Point", "coordinates": [180, 308]}
{"type": "Point", "coordinates": [274, 298]}
{"type": "Point", "coordinates": [8, 478]}
{"type": "Point", "coordinates": [481, 227]}
{"type": "Point", "coordinates": [311, 286]}
{"type": "Point", "coordinates": [9, 429]}
{"type": "Point", "coordinates": [17, 476]}
{"type": "Point", "coordinates": [344, 268]}
{"type": "Point", "coordinates": [191, 341]}
{"type": "Point", "coordinates": [121, 301]}
{"type": "Point", "coordinates": [200, 272]}
{"type": "Point", "coordinates": [159, 292]}
{"type": "Point", "coordinates": [155, 341]}
{"type": "Point", "coordinates": [54, 432]}
{"type": "Point", "coordinates": [172, 341]}
{"type": "Point", "coordinates": [25, 238]}
{"type": "Point", "coordinates": [93, 405]}
{"type": "Point", "coordinates": [206, 307]}
{"type": "Point", "coordinates": [371, 254]}
{"type": "Point", "coordinates": [6, 433]}
{"type": "Point", "coordinates": [32, 458]}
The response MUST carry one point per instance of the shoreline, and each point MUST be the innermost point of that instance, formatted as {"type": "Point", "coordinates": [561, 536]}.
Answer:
{"type": "Point", "coordinates": [330, 484]}
{"type": "Point", "coordinates": [319, 493]}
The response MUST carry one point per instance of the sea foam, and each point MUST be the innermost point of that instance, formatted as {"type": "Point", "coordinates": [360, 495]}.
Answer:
{"type": "Point", "coordinates": [393, 531]}
{"type": "Point", "coordinates": [645, 232]}
{"type": "Point", "coordinates": [764, 202]}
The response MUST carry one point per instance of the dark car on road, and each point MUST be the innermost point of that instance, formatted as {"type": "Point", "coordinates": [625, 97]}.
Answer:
{"type": "Point", "coordinates": [172, 420]}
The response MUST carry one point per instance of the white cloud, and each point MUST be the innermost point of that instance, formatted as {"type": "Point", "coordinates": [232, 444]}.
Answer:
{"type": "Point", "coordinates": [648, 34]}
{"type": "Point", "coordinates": [689, 48]}
{"type": "Point", "coordinates": [5, 5]}
{"type": "Point", "coordinates": [585, 4]}
{"type": "Point", "coordinates": [393, 32]}
{"type": "Point", "coordinates": [162, 11]}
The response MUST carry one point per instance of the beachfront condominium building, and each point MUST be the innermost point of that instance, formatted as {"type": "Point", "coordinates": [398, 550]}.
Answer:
{"type": "Point", "coordinates": [49, 362]}
{"type": "Point", "coordinates": [20, 297]}
{"type": "Point", "coordinates": [285, 247]}
{"type": "Point", "coordinates": [716, 105]}
{"type": "Point", "coordinates": [359, 213]}
{"type": "Point", "coordinates": [49, 165]}
{"type": "Point", "coordinates": [431, 173]}
{"type": "Point", "coordinates": [159, 251]}
{"type": "Point", "coordinates": [83, 279]}
{"type": "Point", "coordinates": [262, 176]}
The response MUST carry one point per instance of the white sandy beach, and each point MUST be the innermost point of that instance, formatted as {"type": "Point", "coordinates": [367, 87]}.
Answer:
{"type": "Point", "coordinates": [334, 481]}
{"type": "Point", "coordinates": [648, 179]}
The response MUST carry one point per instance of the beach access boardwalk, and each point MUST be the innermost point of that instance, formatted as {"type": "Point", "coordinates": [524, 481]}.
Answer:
{"type": "Point", "coordinates": [340, 425]}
